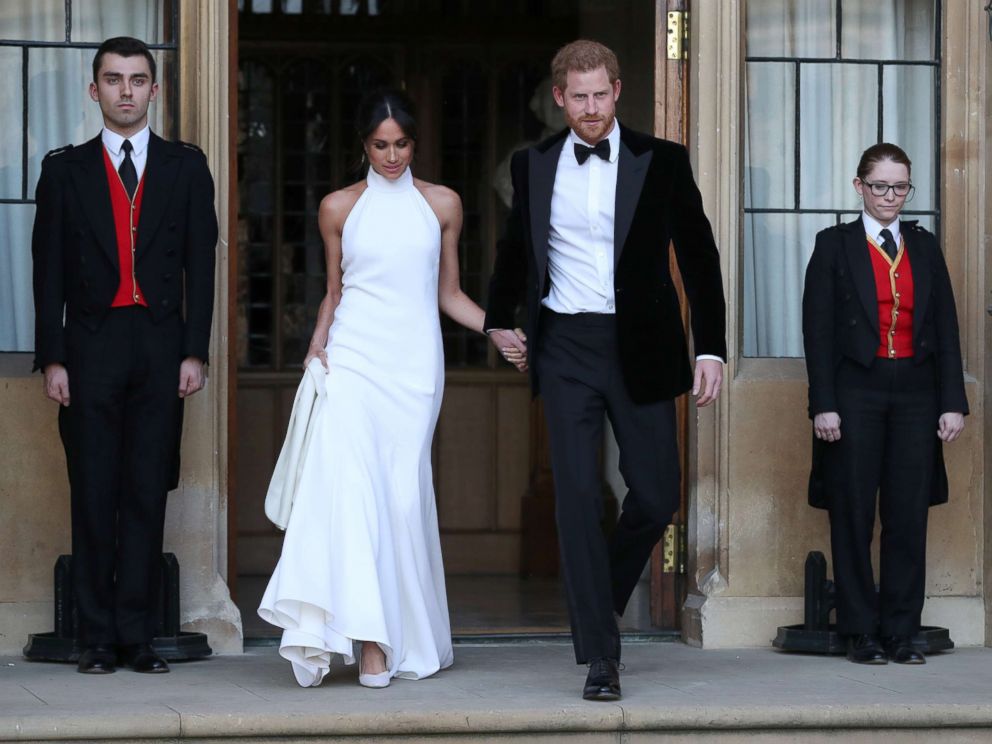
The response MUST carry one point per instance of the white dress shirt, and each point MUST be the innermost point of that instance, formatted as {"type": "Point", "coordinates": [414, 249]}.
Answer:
{"type": "Point", "coordinates": [873, 227]}
{"type": "Point", "coordinates": [580, 241]}
{"type": "Point", "coordinates": [139, 154]}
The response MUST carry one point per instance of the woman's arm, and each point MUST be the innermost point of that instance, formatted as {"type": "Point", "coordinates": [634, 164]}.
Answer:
{"type": "Point", "coordinates": [818, 339]}
{"type": "Point", "coordinates": [334, 209]}
{"type": "Point", "coordinates": [451, 299]}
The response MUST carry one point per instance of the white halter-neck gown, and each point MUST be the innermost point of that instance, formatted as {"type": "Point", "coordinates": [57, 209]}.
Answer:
{"type": "Point", "coordinates": [361, 559]}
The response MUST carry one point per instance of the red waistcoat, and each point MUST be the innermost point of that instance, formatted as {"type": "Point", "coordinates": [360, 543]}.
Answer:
{"type": "Point", "coordinates": [894, 290]}
{"type": "Point", "coordinates": [126, 214]}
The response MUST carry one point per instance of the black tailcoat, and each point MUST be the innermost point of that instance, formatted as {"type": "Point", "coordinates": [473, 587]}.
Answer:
{"type": "Point", "coordinates": [840, 320]}
{"type": "Point", "coordinates": [74, 245]}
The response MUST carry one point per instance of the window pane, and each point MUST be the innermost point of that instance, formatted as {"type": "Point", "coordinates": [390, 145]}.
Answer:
{"type": "Point", "coordinates": [11, 111]}
{"type": "Point", "coordinates": [16, 303]}
{"type": "Point", "coordinates": [791, 28]}
{"type": "Point", "coordinates": [839, 119]}
{"type": "Point", "coordinates": [777, 248]}
{"type": "Point", "coordinates": [769, 140]}
{"type": "Point", "coordinates": [148, 20]}
{"type": "Point", "coordinates": [38, 20]}
{"type": "Point", "coordinates": [894, 29]}
{"type": "Point", "coordinates": [60, 110]}
{"type": "Point", "coordinates": [908, 120]}
{"type": "Point", "coordinates": [256, 157]}
{"type": "Point", "coordinates": [305, 134]}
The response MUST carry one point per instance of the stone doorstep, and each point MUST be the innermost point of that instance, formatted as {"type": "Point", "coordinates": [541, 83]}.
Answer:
{"type": "Point", "coordinates": [945, 721]}
{"type": "Point", "coordinates": [526, 693]}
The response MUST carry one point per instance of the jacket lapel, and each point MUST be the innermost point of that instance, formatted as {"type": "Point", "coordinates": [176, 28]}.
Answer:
{"type": "Point", "coordinates": [862, 274]}
{"type": "Point", "coordinates": [919, 265]}
{"type": "Point", "coordinates": [631, 170]}
{"type": "Point", "coordinates": [161, 169]}
{"type": "Point", "coordinates": [90, 181]}
{"type": "Point", "coordinates": [542, 169]}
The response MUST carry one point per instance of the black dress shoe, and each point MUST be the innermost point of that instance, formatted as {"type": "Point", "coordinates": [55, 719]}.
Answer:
{"type": "Point", "coordinates": [97, 660]}
{"type": "Point", "coordinates": [866, 649]}
{"type": "Point", "coordinates": [901, 650]}
{"type": "Point", "coordinates": [141, 657]}
{"type": "Point", "coordinates": [603, 680]}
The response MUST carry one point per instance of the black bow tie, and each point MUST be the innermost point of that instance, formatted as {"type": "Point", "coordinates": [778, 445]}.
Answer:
{"type": "Point", "coordinates": [582, 152]}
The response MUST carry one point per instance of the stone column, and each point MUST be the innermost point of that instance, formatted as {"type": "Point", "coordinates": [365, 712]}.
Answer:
{"type": "Point", "coordinates": [196, 528]}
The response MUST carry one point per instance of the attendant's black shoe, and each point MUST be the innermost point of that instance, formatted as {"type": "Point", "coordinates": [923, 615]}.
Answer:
{"type": "Point", "coordinates": [603, 680]}
{"type": "Point", "coordinates": [866, 649]}
{"type": "Point", "coordinates": [97, 660]}
{"type": "Point", "coordinates": [901, 650]}
{"type": "Point", "coordinates": [141, 657]}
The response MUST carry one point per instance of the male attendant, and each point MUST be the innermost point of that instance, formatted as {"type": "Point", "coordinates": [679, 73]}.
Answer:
{"type": "Point", "coordinates": [593, 212]}
{"type": "Point", "coordinates": [124, 239]}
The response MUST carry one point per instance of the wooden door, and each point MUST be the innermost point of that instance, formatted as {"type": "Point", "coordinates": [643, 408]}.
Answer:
{"type": "Point", "coordinates": [668, 586]}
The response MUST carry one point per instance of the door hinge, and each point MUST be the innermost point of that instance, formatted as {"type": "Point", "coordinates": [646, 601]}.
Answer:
{"type": "Point", "coordinates": [673, 552]}
{"type": "Point", "coordinates": [678, 34]}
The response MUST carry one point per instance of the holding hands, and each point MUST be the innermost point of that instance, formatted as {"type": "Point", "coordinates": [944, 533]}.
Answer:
{"type": "Point", "coordinates": [512, 346]}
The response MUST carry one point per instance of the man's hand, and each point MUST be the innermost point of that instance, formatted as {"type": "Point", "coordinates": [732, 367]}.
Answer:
{"type": "Point", "coordinates": [950, 427]}
{"type": "Point", "coordinates": [512, 346]}
{"type": "Point", "coordinates": [707, 381]}
{"type": "Point", "coordinates": [826, 426]}
{"type": "Point", "coordinates": [57, 383]}
{"type": "Point", "coordinates": [191, 376]}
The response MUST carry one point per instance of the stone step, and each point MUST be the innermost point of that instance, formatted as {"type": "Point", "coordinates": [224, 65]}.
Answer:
{"type": "Point", "coordinates": [521, 692]}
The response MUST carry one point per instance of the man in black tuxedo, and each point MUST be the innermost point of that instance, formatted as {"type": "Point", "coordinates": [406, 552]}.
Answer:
{"type": "Point", "coordinates": [123, 242]}
{"type": "Point", "coordinates": [594, 209]}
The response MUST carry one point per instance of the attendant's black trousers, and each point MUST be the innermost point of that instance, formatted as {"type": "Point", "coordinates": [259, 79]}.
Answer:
{"type": "Point", "coordinates": [120, 435]}
{"type": "Point", "coordinates": [888, 428]}
{"type": "Point", "coordinates": [581, 379]}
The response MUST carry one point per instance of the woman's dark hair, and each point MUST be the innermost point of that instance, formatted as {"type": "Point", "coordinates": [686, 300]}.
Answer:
{"type": "Point", "coordinates": [880, 152]}
{"type": "Point", "coordinates": [382, 104]}
{"type": "Point", "coordinates": [124, 46]}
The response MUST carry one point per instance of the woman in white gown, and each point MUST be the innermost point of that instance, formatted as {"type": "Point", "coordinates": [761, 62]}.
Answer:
{"type": "Point", "coordinates": [360, 570]}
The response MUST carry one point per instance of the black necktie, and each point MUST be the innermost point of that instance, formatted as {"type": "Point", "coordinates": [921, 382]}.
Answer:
{"type": "Point", "coordinates": [127, 171]}
{"type": "Point", "coordinates": [582, 152]}
{"type": "Point", "coordinates": [888, 244]}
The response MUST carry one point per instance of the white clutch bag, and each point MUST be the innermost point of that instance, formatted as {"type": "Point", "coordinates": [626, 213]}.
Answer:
{"type": "Point", "coordinates": [286, 476]}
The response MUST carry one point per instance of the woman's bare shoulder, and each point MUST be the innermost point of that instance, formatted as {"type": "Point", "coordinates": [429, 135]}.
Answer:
{"type": "Point", "coordinates": [338, 204]}
{"type": "Point", "coordinates": [444, 201]}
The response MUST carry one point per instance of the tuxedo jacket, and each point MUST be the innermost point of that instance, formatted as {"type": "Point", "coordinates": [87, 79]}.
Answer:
{"type": "Point", "coordinates": [840, 312]}
{"type": "Point", "coordinates": [74, 245]}
{"type": "Point", "coordinates": [657, 201]}
{"type": "Point", "coordinates": [840, 320]}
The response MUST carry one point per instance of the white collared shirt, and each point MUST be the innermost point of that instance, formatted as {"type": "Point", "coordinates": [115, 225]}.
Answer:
{"type": "Point", "coordinates": [873, 228]}
{"type": "Point", "coordinates": [580, 241]}
{"type": "Point", "coordinates": [139, 154]}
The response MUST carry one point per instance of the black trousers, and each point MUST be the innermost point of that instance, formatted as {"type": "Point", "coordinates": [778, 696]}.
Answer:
{"type": "Point", "coordinates": [581, 379]}
{"type": "Point", "coordinates": [119, 434]}
{"type": "Point", "coordinates": [888, 428]}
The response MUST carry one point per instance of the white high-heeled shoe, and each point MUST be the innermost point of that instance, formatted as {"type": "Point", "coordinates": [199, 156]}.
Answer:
{"type": "Point", "coordinates": [376, 681]}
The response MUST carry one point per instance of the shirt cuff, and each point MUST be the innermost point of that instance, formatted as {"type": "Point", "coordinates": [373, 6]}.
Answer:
{"type": "Point", "coordinates": [711, 356]}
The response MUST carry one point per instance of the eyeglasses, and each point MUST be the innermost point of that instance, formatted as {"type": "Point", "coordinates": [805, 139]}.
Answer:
{"type": "Point", "coordinates": [881, 189]}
